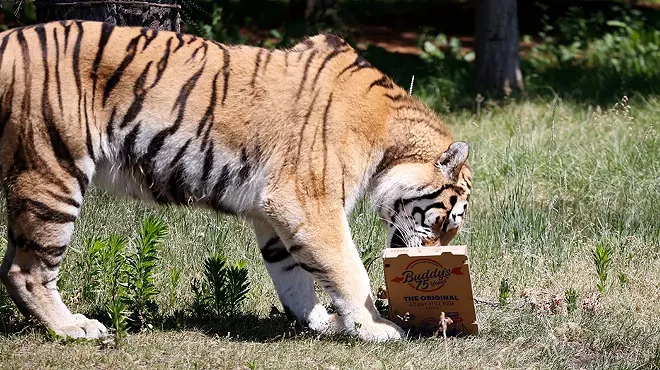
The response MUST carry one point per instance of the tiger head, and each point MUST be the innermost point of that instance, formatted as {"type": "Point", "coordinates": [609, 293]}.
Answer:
{"type": "Point", "coordinates": [426, 203]}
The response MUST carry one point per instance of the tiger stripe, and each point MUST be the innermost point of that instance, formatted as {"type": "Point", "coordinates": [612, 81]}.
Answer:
{"type": "Point", "coordinates": [157, 141]}
{"type": "Point", "coordinates": [203, 47]}
{"type": "Point", "coordinates": [274, 251]}
{"type": "Point", "coordinates": [179, 37]}
{"type": "Point", "coordinates": [42, 211]}
{"type": "Point", "coordinates": [305, 73]}
{"type": "Point", "coordinates": [128, 147]}
{"type": "Point", "coordinates": [106, 32]}
{"type": "Point", "coordinates": [225, 72]}
{"type": "Point", "coordinates": [5, 102]}
{"type": "Point", "coordinates": [140, 93]}
{"type": "Point", "coordinates": [76, 60]}
{"type": "Point", "coordinates": [358, 64]}
{"type": "Point", "coordinates": [208, 115]}
{"type": "Point", "coordinates": [58, 79]}
{"type": "Point", "coordinates": [67, 31]}
{"type": "Point", "coordinates": [327, 59]}
{"type": "Point", "coordinates": [269, 54]}
{"type": "Point", "coordinates": [256, 68]}
{"type": "Point", "coordinates": [88, 132]}
{"type": "Point", "coordinates": [208, 164]}
{"type": "Point", "coordinates": [383, 82]}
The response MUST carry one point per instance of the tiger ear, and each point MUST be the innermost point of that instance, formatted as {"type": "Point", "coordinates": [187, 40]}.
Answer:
{"type": "Point", "coordinates": [452, 160]}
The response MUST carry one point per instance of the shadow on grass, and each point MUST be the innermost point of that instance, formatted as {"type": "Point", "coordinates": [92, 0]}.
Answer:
{"type": "Point", "coordinates": [589, 85]}
{"type": "Point", "coordinates": [449, 84]}
{"type": "Point", "coordinates": [14, 325]}
{"type": "Point", "coordinates": [243, 327]}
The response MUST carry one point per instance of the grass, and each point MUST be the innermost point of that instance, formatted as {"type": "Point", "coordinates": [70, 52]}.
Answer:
{"type": "Point", "coordinates": [552, 182]}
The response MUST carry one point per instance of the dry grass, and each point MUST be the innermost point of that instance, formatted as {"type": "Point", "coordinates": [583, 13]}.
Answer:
{"type": "Point", "coordinates": [550, 182]}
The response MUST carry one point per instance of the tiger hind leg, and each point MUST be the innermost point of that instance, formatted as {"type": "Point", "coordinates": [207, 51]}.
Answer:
{"type": "Point", "coordinates": [40, 225]}
{"type": "Point", "coordinates": [295, 287]}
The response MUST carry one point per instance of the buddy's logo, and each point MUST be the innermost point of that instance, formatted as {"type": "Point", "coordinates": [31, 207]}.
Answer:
{"type": "Point", "coordinates": [426, 275]}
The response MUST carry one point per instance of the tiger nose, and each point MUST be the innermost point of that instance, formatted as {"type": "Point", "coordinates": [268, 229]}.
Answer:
{"type": "Point", "coordinates": [452, 226]}
{"type": "Point", "coordinates": [454, 222]}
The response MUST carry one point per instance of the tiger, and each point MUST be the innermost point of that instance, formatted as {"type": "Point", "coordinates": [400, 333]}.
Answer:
{"type": "Point", "coordinates": [289, 139]}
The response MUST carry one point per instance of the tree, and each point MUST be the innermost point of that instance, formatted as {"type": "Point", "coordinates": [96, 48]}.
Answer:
{"type": "Point", "coordinates": [307, 10]}
{"type": "Point", "coordinates": [157, 14]}
{"type": "Point", "coordinates": [497, 47]}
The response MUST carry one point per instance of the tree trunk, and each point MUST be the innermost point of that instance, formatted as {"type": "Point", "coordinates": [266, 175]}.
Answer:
{"type": "Point", "coordinates": [297, 10]}
{"type": "Point", "coordinates": [497, 47]}
{"type": "Point", "coordinates": [157, 14]}
{"type": "Point", "coordinates": [306, 10]}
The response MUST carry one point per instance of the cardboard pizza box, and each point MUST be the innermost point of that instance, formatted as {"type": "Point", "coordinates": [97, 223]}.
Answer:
{"type": "Point", "coordinates": [422, 283]}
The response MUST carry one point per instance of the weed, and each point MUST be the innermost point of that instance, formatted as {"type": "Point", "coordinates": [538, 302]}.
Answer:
{"type": "Point", "coordinates": [120, 282]}
{"type": "Point", "coordinates": [93, 269]}
{"type": "Point", "coordinates": [115, 272]}
{"type": "Point", "coordinates": [54, 337]}
{"type": "Point", "coordinates": [602, 258]}
{"type": "Point", "coordinates": [140, 292]}
{"type": "Point", "coordinates": [586, 56]}
{"type": "Point", "coordinates": [571, 298]}
{"type": "Point", "coordinates": [6, 304]}
{"type": "Point", "coordinates": [118, 312]}
{"type": "Point", "coordinates": [223, 289]}
{"type": "Point", "coordinates": [623, 279]}
{"type": "Point", "coordinates": [505, 291]}
{"type": "Point", "coordinates": [218, 25]}
{"type": "Point", "coordinates": [175, 278]}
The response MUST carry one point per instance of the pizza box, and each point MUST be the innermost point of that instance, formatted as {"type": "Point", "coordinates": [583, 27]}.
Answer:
{"type": "Point", "coordinates": [423, 283]}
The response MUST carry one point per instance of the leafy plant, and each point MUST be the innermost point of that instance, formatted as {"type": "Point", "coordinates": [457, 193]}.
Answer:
{"type": "Point", "coordinates": [140, 289]}
{"type": "Point", "coordinates": [602, 257]}
{"type": "Point", "coordinates": [120, 280]}
{"type": "Point", "coordinates": [571, 298]}
{"type": "Point", "coordinates": [6, 304]}
{"type": "Point", "coordinates": [118, 313]}
{"type": "Point", "coordinates": [222, 27]}
{"type": "Point", "coordinates": [93, 268]}
{"type": "Point", "coordinates": [504, 291]}
{"type": "Point", "coordinates": [594, 55]}
{"type": "Point", "coordinates": [223, 289]}
{"type": "Point", "coordinates": [115, 272]}
{"type": "Point", "coordinates": [175, 278]}
{"type": "Point", "coordinates": [237, 286]}
{"type": "Point", "coordinates": [623, 279]}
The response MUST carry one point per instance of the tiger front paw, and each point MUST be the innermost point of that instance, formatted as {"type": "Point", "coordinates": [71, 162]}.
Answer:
{"type": "Point", "coordinates": [82, 328]}
{"type": "Point", "coordinates": [320, 321]}
{"type": "Point", "coordinates": [378, 330]}
{"type": "Point", "coordinates": [330, 324]}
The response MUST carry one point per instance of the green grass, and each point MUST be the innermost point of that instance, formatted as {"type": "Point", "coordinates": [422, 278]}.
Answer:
{"type": "Point", "coordinates": [552, 181]}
